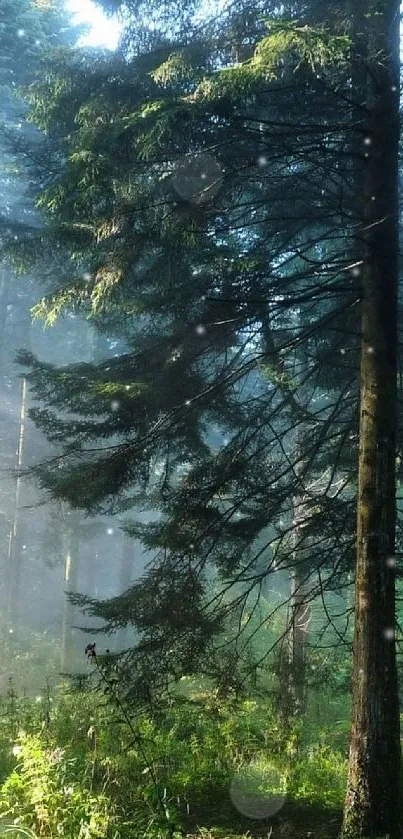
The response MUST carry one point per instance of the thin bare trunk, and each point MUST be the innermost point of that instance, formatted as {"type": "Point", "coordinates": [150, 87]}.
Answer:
{"type": "Point", "coordinates": [126, 566]}
{"type": "Point", "coordinates": [4, 290]}
{"type": "Point", "coordinates": [126, 570]}
{"type": "Point", "coordinates": [70, 585]}
{"type": "Point", "coordinates": [299, 626]}
{"type": "Point", "coordinates": [14, 556]}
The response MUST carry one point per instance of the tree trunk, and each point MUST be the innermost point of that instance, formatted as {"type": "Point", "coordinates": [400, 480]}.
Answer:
{"type": "Point", "coordinates": [126, 565]}
{"type": "Point", "coordinates": [300, 618]}
{"type": "Point", "coordinates": [126, 571]}
{"type": "Point", "coordinates": [70, 585]}
{"type": "Point", "coordinates": [4, 290]}
{"type": "Point", "coordinates": [372, 806]}
{"type": "Point", "coordinates": [14, 557]}
{"type": "Point", "coordinates": [293, 664]}
{"type": "Point", "coordinates": [300, 571]}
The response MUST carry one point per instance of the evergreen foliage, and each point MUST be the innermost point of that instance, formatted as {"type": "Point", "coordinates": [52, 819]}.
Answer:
{"type": "Point", "coordinates": [227, 299]}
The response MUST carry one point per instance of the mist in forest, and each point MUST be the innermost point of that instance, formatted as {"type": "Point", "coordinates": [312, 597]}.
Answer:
{"type": "Point", "coordinates": [47, 549]}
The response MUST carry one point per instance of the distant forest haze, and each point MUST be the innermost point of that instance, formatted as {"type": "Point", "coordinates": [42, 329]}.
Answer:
{"type": "Point", "coordinates": [201, 420]}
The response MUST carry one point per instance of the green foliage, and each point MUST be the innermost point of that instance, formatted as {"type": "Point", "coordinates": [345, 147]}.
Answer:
{"type": "Point", "coordinates": [174, 69]}
{"type": "Point", "coordinates": [319, 777]}
{"type": "Point", "coordinates": [286, 48]}
{"type": "Point", "coordinates": [81, 775]}
{"type": "Point", "coordinates": [314, 47]}
{"type": "Point", "coordinates": [45, 793]}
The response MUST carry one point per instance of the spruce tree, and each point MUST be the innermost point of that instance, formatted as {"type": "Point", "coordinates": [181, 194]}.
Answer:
{"type": "Point", "coordinates": [187, 335]}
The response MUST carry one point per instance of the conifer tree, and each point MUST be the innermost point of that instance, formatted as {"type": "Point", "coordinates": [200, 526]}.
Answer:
{"type": "Point", "coordinates": [187, 337]}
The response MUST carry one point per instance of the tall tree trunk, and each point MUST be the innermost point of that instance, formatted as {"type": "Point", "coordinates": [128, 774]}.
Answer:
{"type": "Point", "coordinates": [4, 290]}
{"type": "Point", "coordinates": [126, 571]}
{"type": "Point", "coordinates": [14, 556]}
{"type": "Point", "coordinates": [70, 585]}
{"type": "Point", "coordinates": [300, 571]}
{"type": "Point", "coordinates": [300, 618]}
{"type": "Point", "coordinates": [293, 664]}
{"type": "Point", "coordinates": [372, 806]}
{"type": "Point", "coordinates": [126, 564]}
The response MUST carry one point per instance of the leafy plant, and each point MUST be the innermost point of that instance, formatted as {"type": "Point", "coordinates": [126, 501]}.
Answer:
{"type": "Point", "coordinates": [44, 794]}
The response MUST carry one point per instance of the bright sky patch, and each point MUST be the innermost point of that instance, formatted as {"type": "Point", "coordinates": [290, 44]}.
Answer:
{"type": "Point", "coordinates": [104, 31]}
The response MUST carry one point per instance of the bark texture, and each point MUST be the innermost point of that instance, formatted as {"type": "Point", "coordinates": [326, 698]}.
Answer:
{"type": "Point", "coordinates": [372, 807]}
{"type": "Point", "coordinates": [300, 619]}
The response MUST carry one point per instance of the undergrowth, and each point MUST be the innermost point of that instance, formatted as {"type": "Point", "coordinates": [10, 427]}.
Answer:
{"type": "Point", "coordinates": [71, 767]}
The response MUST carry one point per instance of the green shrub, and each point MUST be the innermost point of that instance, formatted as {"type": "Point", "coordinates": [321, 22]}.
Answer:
{"type": "Point", "coordinates": [319, 776]}
{"type": "Point", "coordinates": [44, 794]}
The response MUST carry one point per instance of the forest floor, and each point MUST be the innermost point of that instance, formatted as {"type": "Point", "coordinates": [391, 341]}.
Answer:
{"type": "Point", "coordinates": [296, 821]}
{"type": "Point", "coordinates": [71, 766]}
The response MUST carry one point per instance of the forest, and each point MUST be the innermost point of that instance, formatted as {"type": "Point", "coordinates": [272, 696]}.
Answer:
{"type": "Point", "coordinates": [201, 421]}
